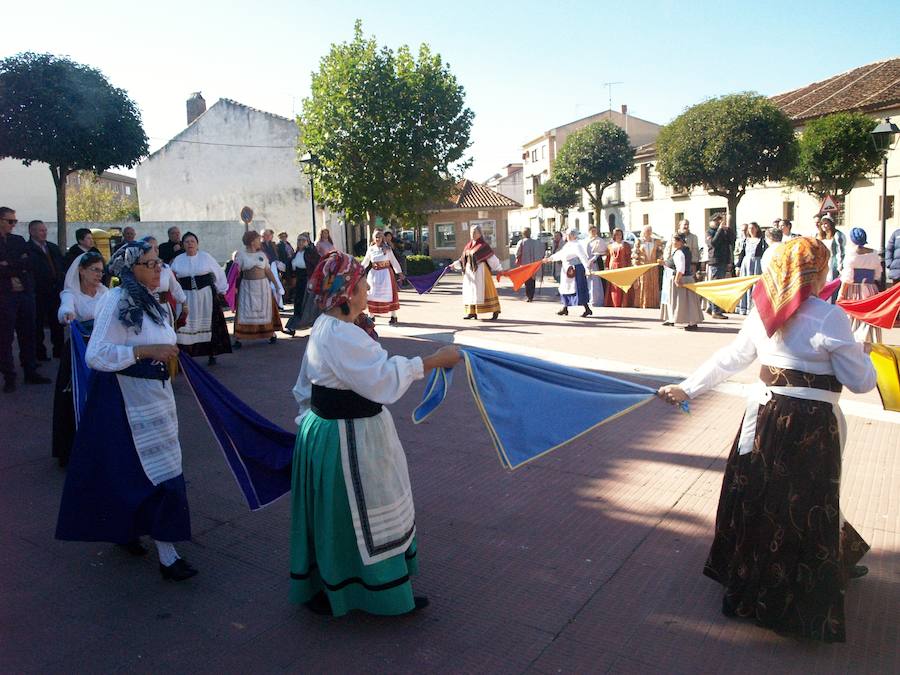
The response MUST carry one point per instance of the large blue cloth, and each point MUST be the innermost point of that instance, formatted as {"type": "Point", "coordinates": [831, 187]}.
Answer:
{"type": "Point", "coordinates": [81, 374]}
{"type": "Point", "coordinates": [508, 387]}
{"type": "Point", "coordinates": [107, 496]}
{"type": "Point", "coordinates": [258, 452]}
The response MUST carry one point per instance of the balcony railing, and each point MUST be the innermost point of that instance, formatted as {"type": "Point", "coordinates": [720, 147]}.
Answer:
{"type": "Point", "coordinates": [643, 190]}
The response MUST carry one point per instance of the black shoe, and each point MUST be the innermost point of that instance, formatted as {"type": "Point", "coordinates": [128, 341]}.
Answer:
{"type": "Point", "coordinates": [727, 608]}
{"type": "Point", "coordinates": [692, 327]}
{"type": "Point", "coordinates": [35, 378]}
{"type": "Point", "coordinates": [135, 548]}
{"type": "Point", "coordinates": [471, 316]}
{"type": "Point", "coordinates": [177, 571]}
{"type": "Point", "coordinates": [668, 323]}
{"type": "Point", "coordinates": [9, 386]}
{"type": "Point", "coordinates": [719, 316]}
{"type": "Point", "coordinates": [586, 312]}
{"type": "Point", "coordinates": [211, 361]}
{"type": "Point", "coordinates": [858, 571]}
{"type": "Point", "coordinates": [289, 332]}
{"type": "Point", "coordinates": [528, 299]}
{"type": "Point", "coordinates": [563, 312]}
{"type": "Point", "coordinates": [236, 344]}
{"type": "Point", "coordinates": [318, 604]}
{"type": "Point", "coordinates": [272, 340]}
{"type": "Point", "coordinates": [393, 321]}
{"type": "Point", "coordinates": [421, 602]}
{"type": "Point", "coordinates": [494, 316]}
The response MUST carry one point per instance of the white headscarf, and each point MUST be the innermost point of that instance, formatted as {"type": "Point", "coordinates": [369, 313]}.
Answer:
{"type": "Point", "coordinates": [75, 301]}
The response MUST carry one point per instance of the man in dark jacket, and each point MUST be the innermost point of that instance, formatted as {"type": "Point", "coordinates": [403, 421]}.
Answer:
{"type": "Point", "coordinates": [720, 240]}
{"type": "Point", "coordinates": [47, 268]}
{"type": "Point", "coordinates": [892, 258]}
{"type": "Point", "coordinates": [84, 242]}
{"type": "Point", "coordinates": [16, 304]}
{"type": "Point", "coordinates": [168, 250]}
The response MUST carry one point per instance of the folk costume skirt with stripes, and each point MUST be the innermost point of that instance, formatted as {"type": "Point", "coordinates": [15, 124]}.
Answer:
{"type": "Point", "coordinates": [383, 294]}
{"type": "Point", "coordinates": [325, 553]}
{"type": "Point", "coordinates": [257, 314]}
{"type": "Point", "coordinates": [479, 292]}
{"type": "Point", "coordinates": [782, 549]}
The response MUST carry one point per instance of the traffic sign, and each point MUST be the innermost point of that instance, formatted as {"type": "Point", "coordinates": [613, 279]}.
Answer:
{"type": "Point", "coordinates": [247, 215]}
{"type": "Point", "coordinates": [828, 205]}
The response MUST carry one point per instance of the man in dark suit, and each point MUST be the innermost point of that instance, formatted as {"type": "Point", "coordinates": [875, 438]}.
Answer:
{"type": "Point", "coordinates": [16, 304]}
{"type": "Point", "coordinates": [169, 249]}
{"type": "Point", "coordinates": [84, 242]}
{"type": "Point", "coordinates": [47, 268]}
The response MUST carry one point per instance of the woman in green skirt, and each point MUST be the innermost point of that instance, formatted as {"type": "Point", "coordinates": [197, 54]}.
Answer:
{"type": "Point", "coordinates": [353, 536]}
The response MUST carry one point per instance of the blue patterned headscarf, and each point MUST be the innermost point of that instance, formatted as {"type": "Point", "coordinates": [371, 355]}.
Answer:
{"type": "Point", "coordinates": [135, 300]}
{"type": "Point", "coordinates": [858, 236]}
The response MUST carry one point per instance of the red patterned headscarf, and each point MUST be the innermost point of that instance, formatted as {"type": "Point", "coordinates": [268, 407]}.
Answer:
{"type": "Point", "coordinates": [334, 279]}
{"type": "Point", "coordinates": [791, 277]}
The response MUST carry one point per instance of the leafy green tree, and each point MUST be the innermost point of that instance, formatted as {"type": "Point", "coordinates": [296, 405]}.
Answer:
{"type": "Point", "coordinates": [836, 151]}
{"type": "Point", "coordinates": [67, 115]}
{"type": "Point", "coordinates": [94, 202]}
{"type": "Point", "coordinates": [725, 145]}
{"type": "Point", "coordinates": [555, 195]}
{"type": "Point", "coordinates": [592, 159]}
{"type": "Point", "coordinates": [388, 130]}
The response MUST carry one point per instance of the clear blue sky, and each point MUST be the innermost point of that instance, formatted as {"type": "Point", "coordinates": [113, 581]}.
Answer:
{"type": "Point", "coordinates": [526, 66]}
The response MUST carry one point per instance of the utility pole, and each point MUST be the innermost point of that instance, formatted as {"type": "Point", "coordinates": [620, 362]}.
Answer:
{"type": "Point", "coordinates": [609, 86]}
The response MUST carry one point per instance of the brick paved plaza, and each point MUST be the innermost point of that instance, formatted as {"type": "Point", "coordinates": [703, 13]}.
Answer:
{"type": "Point", "coordinates": [587, 560]}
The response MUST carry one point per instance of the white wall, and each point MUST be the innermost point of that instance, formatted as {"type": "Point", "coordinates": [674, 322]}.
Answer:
{"type": "Point", "coordinates": [202, 176]}
{"type": "Point", "coordinates": [29, 190]}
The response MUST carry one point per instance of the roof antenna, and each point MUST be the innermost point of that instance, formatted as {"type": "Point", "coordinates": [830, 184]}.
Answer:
{"type": "Point", "coordinates": [609, 86]}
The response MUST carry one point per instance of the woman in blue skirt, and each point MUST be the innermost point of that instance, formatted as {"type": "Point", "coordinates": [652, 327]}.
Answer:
{"type": "Point", "coordinates": [124, 479]}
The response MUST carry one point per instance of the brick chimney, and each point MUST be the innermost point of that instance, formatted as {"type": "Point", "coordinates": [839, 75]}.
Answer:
{"type": "Point", "coordinates": [196, 106]}
{"type": "Point", "coordinates": [624, 109]}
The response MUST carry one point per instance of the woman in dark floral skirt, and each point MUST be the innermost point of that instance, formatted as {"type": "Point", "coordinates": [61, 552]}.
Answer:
{"type": "Point", "coordinates": [782, 548]}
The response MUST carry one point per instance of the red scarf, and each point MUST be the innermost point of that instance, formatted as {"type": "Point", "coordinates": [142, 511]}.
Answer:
{"type": "Point", "coordinates": [476, 251]}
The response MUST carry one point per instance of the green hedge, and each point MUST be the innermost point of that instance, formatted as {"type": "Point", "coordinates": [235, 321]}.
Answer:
{"type": "Point", "coordinates": [419, 264]}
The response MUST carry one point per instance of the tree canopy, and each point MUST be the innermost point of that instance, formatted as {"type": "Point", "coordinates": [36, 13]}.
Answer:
{"type": "Point", "coordinates": [388, 130]}
{"type": "Point", "coordinates": [555, 195]}
{"type": "Point", "coordinates": [592, 159]}
{"type": "Point", "coordinates": [725, 145]}
{"type": "Point", "coordinates": [835, 151]}
{"type": "Point", "coordinates": [67, 115]}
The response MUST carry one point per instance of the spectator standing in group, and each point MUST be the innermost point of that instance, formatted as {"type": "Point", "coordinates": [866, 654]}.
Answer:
{"type": "Point", "coordinates": [720, 245]}
{"type": "Point", "coordinates": [47, 266]}
{"type": "Point", "coordinates": [528, 251]}
{"type": "Point", "coordinates": [267, 245]}
{"type": "Point", "coordinates": [84, 242]}
{"type": "Point", "coordinates": [169, 249]}
{"type": "Point", "coordinates": [834, 240]}
{"type": "Point", "coordinates": [286, 256]}
{"type": "Point", "coordinates": [16, 304]}
{"type": "Point", "coordinates": [128, 235]}
{"type": "Point", "coordinates": [859, 280]}
{"type": "Point", "coordinates": [892, 258]}
{"type": "Point", "coordinates": [786, 226]}
{"type": "Point", "coordinates": [739, 243]}
{"type": "Point", "coordinates": [750, 262]}
{"type": "Point", "coordinates": [397, 248]}
{"type": "Point", "coordinates": [324, 245]}
{"type": "Point", "coordinates": [555, 246]}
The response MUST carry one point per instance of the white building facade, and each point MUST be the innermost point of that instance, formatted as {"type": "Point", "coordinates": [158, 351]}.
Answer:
{"type": "Point", "coordinates": [228, 157]}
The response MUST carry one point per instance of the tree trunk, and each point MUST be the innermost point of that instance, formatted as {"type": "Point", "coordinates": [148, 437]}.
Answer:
{"type": "Point", "coordinates": [598, 206]}
{"type": "Point", "coordinates": [733, 201]}
{"type": "Point", "coordinates": [59, 181]}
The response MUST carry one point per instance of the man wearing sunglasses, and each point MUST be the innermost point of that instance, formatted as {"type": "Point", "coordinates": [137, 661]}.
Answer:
{"type": "Point", "coordinates": [16, 304]}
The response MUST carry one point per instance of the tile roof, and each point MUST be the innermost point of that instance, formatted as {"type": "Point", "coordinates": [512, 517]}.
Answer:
{"type": "Point", "coordinates": [471, 195]}
{"type": "Point", "coordinates": [869, 88]}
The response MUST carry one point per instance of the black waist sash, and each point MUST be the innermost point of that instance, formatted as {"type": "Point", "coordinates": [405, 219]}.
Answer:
{"type": "Point", "coordinates": [196, 283]}
{"type": "Point", "coordinates": [341, 404]}
{"type": "Point", "coordinates": [147, 369]}
{"type": "Point", "coordinates": [787, 377]}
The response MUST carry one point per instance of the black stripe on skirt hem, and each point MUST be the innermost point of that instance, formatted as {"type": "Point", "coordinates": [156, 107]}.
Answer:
{"type": "Point", "coordinates": [356, 580]}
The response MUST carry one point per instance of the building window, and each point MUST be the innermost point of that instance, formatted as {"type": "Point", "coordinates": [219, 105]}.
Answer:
{"type": "Point", "coordinates": [534, 155]}
{"type": "Point", "coordinates": [577, 223]}
{"type": "Point", "coordinates": [611, 221]}
{"type": "Point", "coordinates": [128, 190]}
{"type": "Point", "coordinates": [712, 213]}
{"type": "Point", "coordinates": [646, 219]}
{"type": "Point", "coordinates": [528, 192]}
{"type": "Point", "coordinates": [787, 211]}
{"type": "Point", "coordinates": [590, 218]}
{"type": "Point", "coordinates": [544, 151]}
{"type": "Point", "coordinates": [488, 230]}
{"type": "Point", "coordinates": [445, 237]}
{"type": "Point", "coordinates": [890, 208]}
{"type": "Point", "coordinates": [679, 216]}
{"type": "Point", "coordinates": [551, 224]}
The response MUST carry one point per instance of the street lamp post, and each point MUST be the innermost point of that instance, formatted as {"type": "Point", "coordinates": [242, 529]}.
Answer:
{"type": "Point", "coordinates": [311, 160]}
{"type": "Point", "coordinates": [883, 135]}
